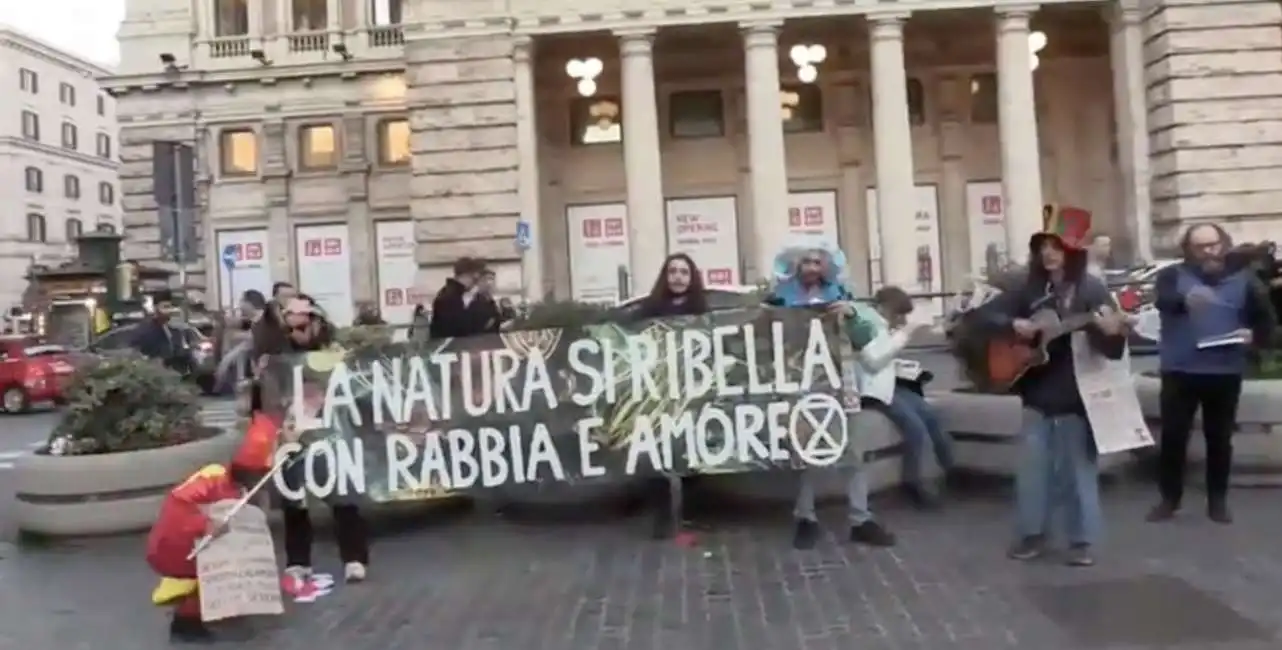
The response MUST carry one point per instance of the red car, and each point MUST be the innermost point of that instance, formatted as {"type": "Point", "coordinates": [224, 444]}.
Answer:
{"type": "Point", "coordinates": [31, 372]}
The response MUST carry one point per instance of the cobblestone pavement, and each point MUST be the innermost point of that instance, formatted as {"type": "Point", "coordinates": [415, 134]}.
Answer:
{"type": "Point", "coordinates": [483, 584]}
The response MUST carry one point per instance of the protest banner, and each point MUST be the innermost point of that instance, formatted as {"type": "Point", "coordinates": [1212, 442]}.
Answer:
{"type": "Point", "coordinates": [742, 390]}
{"type": "Point", "coordinates": [237, 570]}
{"type": "Point", "coordinates": [1108, 392]}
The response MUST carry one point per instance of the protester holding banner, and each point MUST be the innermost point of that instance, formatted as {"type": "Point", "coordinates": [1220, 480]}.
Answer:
{"type": "Point", "coordinates": [451, 316]}
{"type": "Point", "coordinates": [483, 308]}
{"type": "Point", "coordinates": [183, 521]}
{"type": "Point", "coordinates": [1212, 310]}
{"type": "Point", "coordinates": [907, 409]}
{"type": "Point", "coordinates": [809, 276]}
{"type": "Point", "coordinates": [678, 291]}
{"type": "Point", "coordinates": [1059, 465]}
{"type": "Point", "coordinates": [308, 330]}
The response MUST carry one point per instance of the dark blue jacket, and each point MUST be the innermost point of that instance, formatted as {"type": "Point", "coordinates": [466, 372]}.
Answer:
{"type": "Point", "coordinates": [1241, 302]}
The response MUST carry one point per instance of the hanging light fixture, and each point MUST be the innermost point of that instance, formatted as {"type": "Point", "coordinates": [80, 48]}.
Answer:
{"type": "Point", "coordinates": [807, 57]}
{"type": "Point", "coordinates": [585, 71]}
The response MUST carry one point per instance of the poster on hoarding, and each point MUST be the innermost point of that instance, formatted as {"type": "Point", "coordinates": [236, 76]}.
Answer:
{"type": "Point", "coordinates": [812, 218]}
{"type": "Point", "coordinates": [251, 269]}
{"type": "Point", "coordinates": [325, 269]}
{"type": "Point", "coordinates": [707, 229]}
{"type": "Point", "coordinates": [397, 270]}
{"type": "Point", "coordinates": [599, 246]}
{"type": "Point", "coordinates": [925, 245]}
{"type": "Point", "coordinates": [986, 226]}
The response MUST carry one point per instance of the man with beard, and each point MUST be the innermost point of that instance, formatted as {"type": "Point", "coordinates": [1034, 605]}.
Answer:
{"type": "Point", "coordinates": [1059, 462]}
{"type": "Point", "coordinates": [1212, 311]}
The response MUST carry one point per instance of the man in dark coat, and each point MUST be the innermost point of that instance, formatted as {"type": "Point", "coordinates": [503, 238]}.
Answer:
{"type": "Point", "coordinates": [451, 313]}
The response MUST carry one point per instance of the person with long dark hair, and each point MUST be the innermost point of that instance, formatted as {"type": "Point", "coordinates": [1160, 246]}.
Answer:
{"type": "Point", "coordinates": [678, 291]}
{"type": "Point", "coordinates": [1059, 465]}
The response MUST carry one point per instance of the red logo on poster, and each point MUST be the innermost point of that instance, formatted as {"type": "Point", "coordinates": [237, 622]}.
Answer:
{"type": "Point", "coordinates": [312, 248]}
{"type": "Point", "coordinates": [252, 252]}
{"type": "Point", "coordinates": [991, 205]}
{"type": "Point", "coordinates": [333, 246]}
{"type": "Point", "coordinates": [591, 228]}
{"type": "Point", "coordinates": [614, 227]}
{"type": "Point", "coordinates": [719, 276]}
{"type": "Point", "coordinates": [394, 297]}
{"type": "Point", "coordinates": [814, 215]}
{"type": "Point", "coordinates": [794, 217]}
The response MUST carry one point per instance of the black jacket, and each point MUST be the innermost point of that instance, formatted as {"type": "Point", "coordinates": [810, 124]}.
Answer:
{"type": "Point", "coordinates": [157, 340]}
{"type": "Point", "coordinates": [452, 316]}
{"type": "Point", "coordinates": [1051, 388]}
{"type": "Point", "coordinates": [654, 308]}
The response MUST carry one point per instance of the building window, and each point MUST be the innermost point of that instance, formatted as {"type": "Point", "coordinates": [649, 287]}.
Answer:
{"type": "Point", "coordinates": [310, 15]}
{"type": "Point", "coordinates": [239, 152]}
{"type": "Point", "coordinates": [317, 147]}
{"type": "Point", "coordinates": [35, 180]}
{"type": "Point", "coordinates": [103, 226]}
{"type": "Point", "coordinates": [71, 186]}
{"type": "Point", "coordinates": [231, 17]}
{"type": "Point", "coordinates": [983, 98]}
{"type": "Point", "coordinates": [916, 102]}
{"type": "Point", "coordinates": [104, 145]}
{"type": "Point", "coordinates": [385, 12]}
{"type": "Point", "coordinates": [802, 109]}
{"type": "Point", "coordinates": [36, 228]}
{"type": "Point", "coordinates": [75, 228]}
{"type": "Point", "coordinates": [696, 114]}
{"type": "Point", "coordinates": [394, 142]}
{"type": "Point", "coordinates": [106, 193]}
{"type": "Point", "coordinates": [102, 105]}
{"type": "Point", "coordinates": [30, 125]}
{"type": "Point", "coordinates": [596, 120]}
{"type": "Point", "coordinates": [28, 81]}
{"type": "Point", "coordinates": [70, 136]}
{"type": "Point", "coordinates": [67, 94]}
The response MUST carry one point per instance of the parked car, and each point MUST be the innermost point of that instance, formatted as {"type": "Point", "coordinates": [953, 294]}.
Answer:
{"type": "Point", "coordinates": [201, 363]}
{"type": "Point", "coordinates": [31, 372]}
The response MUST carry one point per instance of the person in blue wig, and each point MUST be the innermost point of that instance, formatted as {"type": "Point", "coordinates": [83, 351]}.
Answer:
{"type": "Point", "coordinates": [813, 276]}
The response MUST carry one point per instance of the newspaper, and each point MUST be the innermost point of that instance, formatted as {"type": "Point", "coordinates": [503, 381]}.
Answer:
{"type": "Point", "coordinates": [1108, 391]}
{"type": "Point", "coordinates": [237, 571]}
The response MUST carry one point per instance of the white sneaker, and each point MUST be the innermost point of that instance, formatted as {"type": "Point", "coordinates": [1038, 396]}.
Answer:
{"type": "Point", "coordinates": [354, 572]}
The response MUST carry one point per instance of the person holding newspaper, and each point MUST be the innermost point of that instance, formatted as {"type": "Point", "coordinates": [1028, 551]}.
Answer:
{"type": "Point", "coordinates": [1212, 310]}
{"type": "Point", "coordinates": [1059, 460]}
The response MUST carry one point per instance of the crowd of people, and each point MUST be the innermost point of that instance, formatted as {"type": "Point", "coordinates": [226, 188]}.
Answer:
{"type": "Point", "coordinates": [1211, 294]}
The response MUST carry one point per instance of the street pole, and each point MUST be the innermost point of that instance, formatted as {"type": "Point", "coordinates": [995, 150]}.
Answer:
{"type": "Point", "coordinates": [180, 246]}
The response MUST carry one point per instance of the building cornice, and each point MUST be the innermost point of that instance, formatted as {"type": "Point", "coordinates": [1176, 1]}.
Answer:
{"type": "Point", "coordinates": [11, 142]}
{"type": "Point", "coordinates": [28, 44]}
{"type": "Point", "coordinates": [265, 75]}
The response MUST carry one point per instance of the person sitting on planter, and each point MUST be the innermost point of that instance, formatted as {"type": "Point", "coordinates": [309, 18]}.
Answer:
{"type": "Point", "coordinates": [308, 330]}
{"type": "Point", "coordinates": [907, 409]}
{"type": "Point", "coordinates": [1059, 462]}
{"type": "Point", "coordinates": [184, 520]}
{"type": "Point", "coordinates": [810, 276]}
{"type": "Point", "coordinates": [1207, 296]}
{"type": "Point", "coordinates": [678, 291]}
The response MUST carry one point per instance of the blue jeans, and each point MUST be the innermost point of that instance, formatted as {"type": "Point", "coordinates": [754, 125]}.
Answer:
{"type": "Point", "coordinates": [919, 425]}
{"type": "Point", "coordinates": [1058, 467]}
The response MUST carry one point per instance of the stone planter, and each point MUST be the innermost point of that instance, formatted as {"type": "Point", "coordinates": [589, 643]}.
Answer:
{"type": "Point", "coordinates": [107, 493]}
{"type": "Point", "coordinates": [985, 430]}
{"type": "Point", "coordinates": [877, 439]}
{"type": "Point", "coordinates": [1257, 446]}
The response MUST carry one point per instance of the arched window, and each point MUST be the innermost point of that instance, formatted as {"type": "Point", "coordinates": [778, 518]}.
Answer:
{"type": "Point", "coordinates": [75, 228]}
{"type": "Point", "coordinates": [36, 228]}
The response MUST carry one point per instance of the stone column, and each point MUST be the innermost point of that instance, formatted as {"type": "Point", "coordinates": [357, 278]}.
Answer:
{"type": "Point", "coordinates": [767, 158]}
{"type": "Point", "coordinates": [642, 160]}
{"type": "Point", "coordinates": [1127, 58]}
{"type": "Point", "coordinates": [256, 18]}
{"type": "Point", "coordinates": [528, 188]}
{"type": "Point", "coordinates": [1021, 154]}
{"type": "Point", "coordinates": [893, 151]}
{"type": "Point", "coordinates": [333, 15]}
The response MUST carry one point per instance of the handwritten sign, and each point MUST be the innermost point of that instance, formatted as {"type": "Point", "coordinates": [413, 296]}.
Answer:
{"type": "Point", "coordinates": [238, 575]}
{"type": "Point", "coordinates": [1108, 392]}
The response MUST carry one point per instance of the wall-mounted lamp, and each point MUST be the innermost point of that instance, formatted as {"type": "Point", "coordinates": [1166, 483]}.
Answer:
{"type": "Point", "coordinates": [341, 50]}
{"type": "Point", "coordinates": [260, 57]}
{"type": "Point", "coordinates": [807, 58]}
{"type": "Point", "coordinates": [1036, 43]}
{"type": "Point", "coordinates": [585, 71]}
{"type": "Point", "coordinates": [170, 63]}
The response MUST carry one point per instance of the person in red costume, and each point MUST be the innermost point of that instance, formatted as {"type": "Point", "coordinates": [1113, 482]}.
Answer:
{"type": "Point", "coordinates": [183, 521]}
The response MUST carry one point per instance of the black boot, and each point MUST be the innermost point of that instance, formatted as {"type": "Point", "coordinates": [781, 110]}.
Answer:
{"type": "Point", "coordinates": [187, 629]}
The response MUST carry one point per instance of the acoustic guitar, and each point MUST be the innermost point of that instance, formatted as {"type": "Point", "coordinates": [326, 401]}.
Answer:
{"type": "Point", "coordinates": [1010, 357]}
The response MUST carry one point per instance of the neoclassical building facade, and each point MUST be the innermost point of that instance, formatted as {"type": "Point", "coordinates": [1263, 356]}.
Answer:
{"type": "Point", "coordinates": [358, 147]}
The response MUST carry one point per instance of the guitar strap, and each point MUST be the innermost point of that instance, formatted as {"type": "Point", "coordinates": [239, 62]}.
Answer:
{"type": "Point", "coordinates": [1061, 295]}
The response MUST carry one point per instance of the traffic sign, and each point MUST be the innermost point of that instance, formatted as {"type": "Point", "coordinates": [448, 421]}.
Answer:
{"type": "Point", "coordinates": [524, 236]}
{"type": "Point", "coordinates": [229, 256]}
